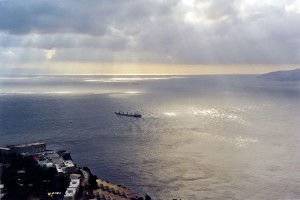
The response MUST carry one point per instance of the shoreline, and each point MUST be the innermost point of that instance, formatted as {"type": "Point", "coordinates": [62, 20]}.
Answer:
{"type": "Point", "coordinates": [75, 182]}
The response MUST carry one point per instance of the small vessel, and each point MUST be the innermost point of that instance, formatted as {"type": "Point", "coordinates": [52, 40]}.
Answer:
{"type": "Point", "coordinates": [136, 114]}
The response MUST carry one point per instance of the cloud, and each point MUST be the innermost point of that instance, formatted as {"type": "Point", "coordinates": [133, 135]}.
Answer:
{"type": "Point", "coordinates": [164, 31]}
{"type": "Point", "coordinates": [82, 17]}
{"type": "Point", "coordinates": [293, 7]}
{"type": "Point", "coordinates": [50, 53]}
{"type": "Point", "coordinates": [44, 17]}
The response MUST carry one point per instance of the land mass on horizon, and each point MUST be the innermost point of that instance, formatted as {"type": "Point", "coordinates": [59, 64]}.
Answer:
{"type": "Point", "coordinates": [287, 75]}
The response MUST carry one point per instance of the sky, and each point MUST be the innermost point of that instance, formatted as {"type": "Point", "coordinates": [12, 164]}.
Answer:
{"type": "Point", "coordinates": [148, 36]}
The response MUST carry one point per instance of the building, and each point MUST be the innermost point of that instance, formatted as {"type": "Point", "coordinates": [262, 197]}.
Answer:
{"type": "Point", "coordinates": [1, 185]}
{"type": "Point", "coordinates": [69, 167]}
{"type": "Point", "coordinates": [54, 157]}
{"type": "Point", "coordinates": [44, 163]}
{"type": "Point", "coordinates": [59, 169]}
{"type": "Point", "coordinates": [72, 190]}
{"type": "Point", "coordinates": [1, 191]}
{"type": "Point", "coordinates": [30, 148]}
{"type": "Point", "coordinates": [70, 194]}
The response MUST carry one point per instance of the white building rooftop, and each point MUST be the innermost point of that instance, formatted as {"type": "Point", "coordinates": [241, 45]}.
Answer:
{"type": "Point", "coordinates": [70, 192]}
{"type": "Point", "coordinates": [74, 183]}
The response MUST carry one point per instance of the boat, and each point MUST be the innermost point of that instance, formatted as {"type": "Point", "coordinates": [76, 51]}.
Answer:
{"type": "Point", "coordinates": [136, 114]}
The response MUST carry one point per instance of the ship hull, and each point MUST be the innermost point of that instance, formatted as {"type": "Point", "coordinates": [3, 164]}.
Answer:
{"type": "Point", "coordinates": [128, 115]}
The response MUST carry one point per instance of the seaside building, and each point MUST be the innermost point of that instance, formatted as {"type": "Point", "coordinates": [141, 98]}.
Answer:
{"type": "Point", "coordinates": [1, 191]}
{"type": "Point", "coordinates": [73, 188]}
{"type": "Point", "coordinates": [42, 161]}
{"type": "Point", "coordinates": [53, 157]}
{"type": "Point", "coordinates": [82, 182]}
{"type": "Point", "coordinates": [59, 169]}
{"type": "Point", "coordinates": [30, 148]}
{"type": "Point", "coordinates": [69, 167]}
{"type": "Point", "coordinates": [1, 185]}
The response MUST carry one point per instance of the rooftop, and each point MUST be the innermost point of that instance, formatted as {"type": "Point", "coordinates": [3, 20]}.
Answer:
{"type": "Point", "coordinates": [74, 183]}
{"type": "Point", "coordinates": [69, 163]}
{"type": "Point", "coordinates": [70, 192]}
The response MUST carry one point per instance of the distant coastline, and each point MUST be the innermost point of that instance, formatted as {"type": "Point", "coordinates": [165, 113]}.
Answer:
{"type": "Point", "coordinates": [288, 75]}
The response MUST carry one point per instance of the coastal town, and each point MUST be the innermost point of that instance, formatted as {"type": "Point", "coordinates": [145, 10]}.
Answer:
{"type": "Point", "coordinates": [30, 171]}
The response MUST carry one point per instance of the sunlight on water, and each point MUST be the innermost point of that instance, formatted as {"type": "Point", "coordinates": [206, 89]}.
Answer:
{"type": "Point", "coordinates": [123, 94]}
{"type": "Point", "coordinates": [214, 113]}
{"type": "Point", "coordinates": [191, 142]}
{"type": "Point", "coordinates": [128, 79]}
{"type": "Point", "coordinates": [59, 92]}
{"type": "Point", "coordinates": [132, 92]}
{"type": "Point", "coordinates": [35, 92]}
{"type": "Point", "coordinates": [242, 142]}
{"type": "Point", "coordinates": [238, 141]}
{"type": "Point", "coordinates": [170, 114]}
{"type": "Point", "coordinates": [143, 78]}
{"type": "Point", "coordinates": [13, 78]}
{"type": "Point", "coordinates": [16, 92]}
{"type": "Point", "coordinates": [96, 80]}
{"type": "Point", "coordinates": [106, 81]}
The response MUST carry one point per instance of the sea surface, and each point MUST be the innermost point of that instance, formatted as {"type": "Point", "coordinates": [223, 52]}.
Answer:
{"type": "Point", "coordinates": [200, 137]}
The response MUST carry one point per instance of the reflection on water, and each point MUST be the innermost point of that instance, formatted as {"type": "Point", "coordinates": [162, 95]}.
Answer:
{"type": "Point", "coordinates": [200, 137]}
{"type": "Point", "coordinates": [129, 79]}
{"type": "Point", "coordinates": [143, 78]}
{"type": "Point", "coordinates": [214, 113]}
{"type": "Point", "coordinates": [238, 141]}
{"type": "Point", "coordinates": [132, 92]}
{"type": "Point", "coordinates": [170, 114]}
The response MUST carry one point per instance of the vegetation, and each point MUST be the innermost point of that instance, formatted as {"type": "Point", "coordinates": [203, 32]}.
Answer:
{"type": "Point", "coordinates": [92, 179]}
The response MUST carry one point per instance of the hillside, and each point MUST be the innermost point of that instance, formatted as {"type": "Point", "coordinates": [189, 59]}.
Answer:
{"type": "Point", "coordinates": [289, 75]}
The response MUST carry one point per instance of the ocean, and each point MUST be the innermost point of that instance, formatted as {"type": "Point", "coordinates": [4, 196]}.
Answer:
{"type": "Point", "coordinates": [200, 137]}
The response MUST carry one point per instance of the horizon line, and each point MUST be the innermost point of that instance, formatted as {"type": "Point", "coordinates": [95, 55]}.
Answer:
{"type": "Point", "coordinates": [211, 74]}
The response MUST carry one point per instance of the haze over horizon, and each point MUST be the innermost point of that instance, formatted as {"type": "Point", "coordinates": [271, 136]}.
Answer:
{"type": "Point", "coordinates": [148, 37]}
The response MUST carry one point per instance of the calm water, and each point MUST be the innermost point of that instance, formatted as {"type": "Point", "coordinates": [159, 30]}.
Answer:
{"type": "Point", "coordinates": [201, 137]}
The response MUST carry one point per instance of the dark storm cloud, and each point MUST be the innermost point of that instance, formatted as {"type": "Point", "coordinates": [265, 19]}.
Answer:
{"type": "Point", "coordinates": [23, 17]}
{"type": "Point", "coordinates": [88, 17]}
{"type": "Point", "coordinates": [162, 31]}
{"type": "Point", "coordinates": [64, 41]}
